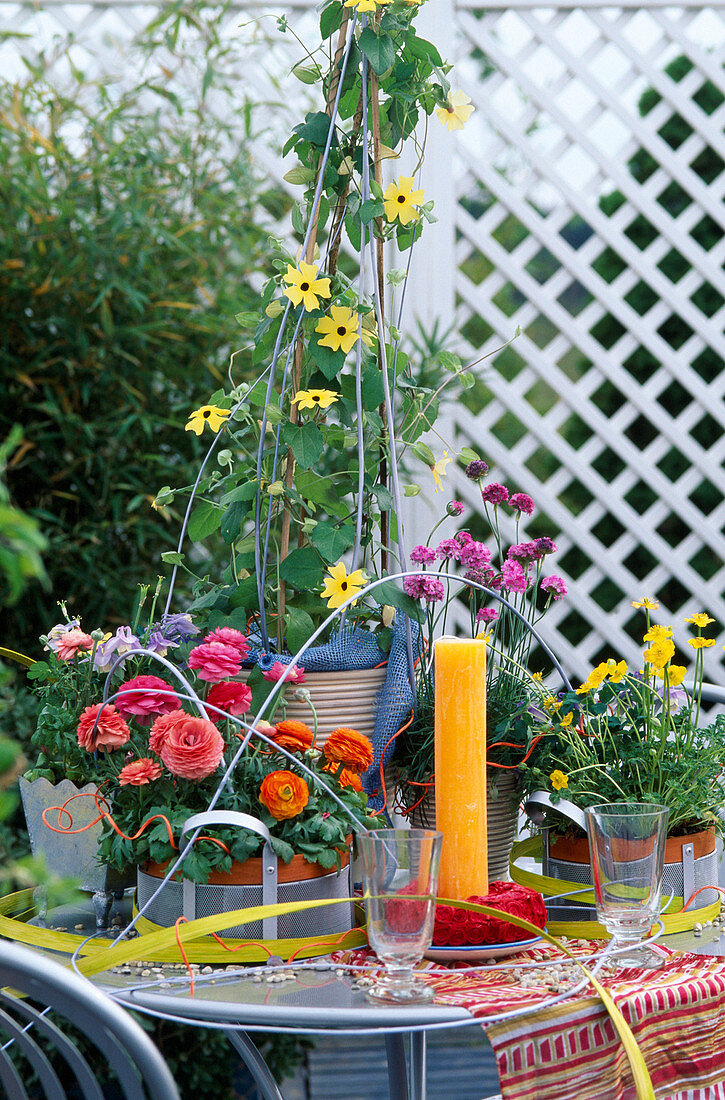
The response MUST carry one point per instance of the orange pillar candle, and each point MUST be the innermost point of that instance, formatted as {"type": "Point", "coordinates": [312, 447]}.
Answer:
{"type": "Point", "coordinates": [460, 765]}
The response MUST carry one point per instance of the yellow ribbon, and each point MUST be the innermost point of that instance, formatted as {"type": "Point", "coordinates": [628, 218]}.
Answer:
{"type": "Point", "coordinates": [13, 655]}
{"type": "Point", "coordinates": [158, 943]}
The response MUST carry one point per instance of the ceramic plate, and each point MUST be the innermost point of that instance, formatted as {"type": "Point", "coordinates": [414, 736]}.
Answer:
{"type": "Point", "coordinates": [480, 952]}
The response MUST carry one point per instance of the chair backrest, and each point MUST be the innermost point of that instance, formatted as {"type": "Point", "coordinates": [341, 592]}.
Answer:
{"type": "Point", "coordinates": [34, 1047]}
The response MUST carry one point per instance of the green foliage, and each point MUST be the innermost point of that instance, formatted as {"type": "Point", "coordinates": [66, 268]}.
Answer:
{"type": "Point", "coordinates": [132, 223]}
{"type": "Point", "coordinates": [21, 540]}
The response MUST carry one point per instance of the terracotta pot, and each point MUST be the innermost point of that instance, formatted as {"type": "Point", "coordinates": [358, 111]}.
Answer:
{"type": "Point", "coordinates": [249, 873]}
{"type": "Point", "coordinates": [501, 818]}
{"type": "Point", "coordinates": [576, 849]}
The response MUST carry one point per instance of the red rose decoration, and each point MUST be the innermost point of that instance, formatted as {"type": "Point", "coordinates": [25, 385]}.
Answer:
{"type": "Point", "coordinates": [456, 927]}
{"type": "Point", "coordinates": [192, 747]}
{"type": "Point", "coordinates": [144, 696]}
{"type": "Point", "coordinates": [111, 731]}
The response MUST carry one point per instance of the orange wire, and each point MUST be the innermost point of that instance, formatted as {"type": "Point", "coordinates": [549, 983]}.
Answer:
{"type": "Point", "coordinates": [321, 943]}
{"type": "Point", "coordinates": [693, 896]}
{"type": "Point", "coordinates": [376, 813]}
{"type": "Point", "coordinates": [177, 922]}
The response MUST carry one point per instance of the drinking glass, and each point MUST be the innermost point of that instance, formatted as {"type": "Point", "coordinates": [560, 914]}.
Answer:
{"type": "Point", "coordinates": [400, 880]}
{"type": "Point", "coordinates": [627, 851]}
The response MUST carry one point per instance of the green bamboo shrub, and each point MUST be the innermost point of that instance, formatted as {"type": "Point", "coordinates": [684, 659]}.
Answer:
{"type": "Point", "coordinates": [132, 223]}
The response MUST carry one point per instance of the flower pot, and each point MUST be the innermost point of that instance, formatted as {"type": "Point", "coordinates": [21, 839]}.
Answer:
{"type": "Point", "coordinates": [241, 888]}
{"type": "Point", "coordinates": [690, 863]}
{"type": "Point", "coordinates": [502, 814]}
{"type": "Point", "coordinates": [340, 699]}
{"type": "Point", "coordinates": [68, 855]}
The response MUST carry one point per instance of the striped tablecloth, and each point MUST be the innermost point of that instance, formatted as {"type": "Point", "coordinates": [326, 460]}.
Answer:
{"type": "Point", "coordinates": [571, 1051]}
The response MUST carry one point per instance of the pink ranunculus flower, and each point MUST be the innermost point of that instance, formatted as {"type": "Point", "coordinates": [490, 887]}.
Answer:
{"type": "Point", "coordinates": [110, 733]}
{"type": "Point", "coordinates": [144, 696]}
{"type": "Point", "coordinates": [231, 696]}
{"type": "Point", "coordinates": [193, 747]}
{"type": "Point", "coordinates": [227, 635]}
{"type": "Point", "coordinates": [215, 661]}
{"type": "Point", "coordinates": [69, 643]}
{"type": "Point", "coordinates": [139, 772]}
{"type": "Point", "coordinates": [160, 728]}
{"type": "Point", "coordinates": [278, 671]}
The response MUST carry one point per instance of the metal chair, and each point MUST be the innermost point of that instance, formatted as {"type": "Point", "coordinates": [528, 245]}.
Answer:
{"type": "Point", "coordinates": [32, 1041]}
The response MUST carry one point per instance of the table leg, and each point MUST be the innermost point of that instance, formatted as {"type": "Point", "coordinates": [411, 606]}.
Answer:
{"type": "Point", "coordinates": [418, 1089]}
{"type": "Point", "coordinates": [255, 1063]}
{"type": "Point", "coordinates": [397, 1072]}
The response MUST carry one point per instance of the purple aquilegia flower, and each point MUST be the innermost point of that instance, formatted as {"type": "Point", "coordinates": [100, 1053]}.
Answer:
{"type": "Point", "coordinates": [476, 470]}
{"type": "Point", "coordinates": [449, 548]}
{"type": "Point", "coordinates": [454, 508]}
{"type": "Point", "coordinates": [555, 585]}
{"type": "Point", "coordinates": [524, 552]}
{"type": "Point", "coordinates": [545, 546]}
{"type": "Point", "coordinates": [486, 615]}
{"type": "Point", "coordinates": [475, 554]}
{"type": "Point", "coordinates": [123, 641]}
{"type": "Point", "coordinates": [179, 625]}
{"type": "Point", "coordinates": [495, 493]}
{"type": "Point", "coordinates": [424, 588]}
{"type": "Point", "coordinates": [522, 502]}
{"type": "Point", "coordinates": [513, 576]}
{"type": "Point", "coordinates": [422, 555]}
{"type": "Point", "coordinates": [157, 643]}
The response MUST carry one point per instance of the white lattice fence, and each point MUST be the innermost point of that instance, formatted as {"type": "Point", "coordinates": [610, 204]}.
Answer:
{"type": "Point", "coordinates": [585, 206]}
{"type": "Point", "coordinates": [589, 213]}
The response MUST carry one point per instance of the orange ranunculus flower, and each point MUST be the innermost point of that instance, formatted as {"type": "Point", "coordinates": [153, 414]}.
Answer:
{"type": "Point", "coordinates": [293, 736]}
{"type": "Point", "coordinates": [346, 778]}
{"type": "Point", "coordinates": [284, 794]}
{"type": "Point", "coordinates": [350, 748]}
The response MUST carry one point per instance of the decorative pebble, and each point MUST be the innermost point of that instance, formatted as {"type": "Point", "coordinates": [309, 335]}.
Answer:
{"type": "Point", "coordinates": [207, 970]}
{"type": "Point", "coordinates": [79, 927]}
{"type": "Point", "coordinates": [145, 973]}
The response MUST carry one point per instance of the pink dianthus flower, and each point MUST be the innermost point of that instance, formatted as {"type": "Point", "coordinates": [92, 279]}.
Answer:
{"type": "Point", "coordinates": [513, 576]}
{"type": "Point", "coordinates": [424, 588]}
{"type": "Point", "coordinates": [448, 549]}
{"type": "Point", "coordinates": [486, 615]}
{"type": "Point", "coordinates": [422, 555]}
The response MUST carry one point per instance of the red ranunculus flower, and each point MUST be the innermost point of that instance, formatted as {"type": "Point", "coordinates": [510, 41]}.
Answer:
{"type": "Point", "coordinates": [278, 671]}
{"type": "Point", "coordinates": [144, 696]}
{"type": "Point", "coordinates": [192, 747]}
{"type": "Point", "coordinates": [215, 661]}
{"type": "Point", "coordinates": [227, 635]}
{"type": "Point", "coordinates": [139, 772]}
{"type": "Point", "coordinates": [111, 731]}
{"type": "Point", "coordinates": [231, 696]}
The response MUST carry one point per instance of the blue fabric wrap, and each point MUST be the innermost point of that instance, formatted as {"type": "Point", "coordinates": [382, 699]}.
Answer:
{"type": "Point", "coordinates": [354, 648]}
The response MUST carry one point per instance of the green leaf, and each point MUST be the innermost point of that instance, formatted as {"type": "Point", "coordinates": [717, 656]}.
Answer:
{"type": "Point", "coordinates": [305, 441]}
{"type": "Point", "coordinates": [231, 523]}
{"type": "Point", "coordinates": [245, 594]}
{"type": "Point", "coordinates": [38, 671]}
{"type": "Point", "coordinates": [315, 129]}
{"type": "Point", "coordinates": [205, 520]}
{"type": "Point", "coordinates": [354, 232]}
{"type": "Point", "coordinates": [299, 628]}
{"type": "Point", "coordinates": [449, 361]}
{"type": "Point", "coordinates": [383, 496]}
{"type": "Point", "coordinates": [300, 174]}
{"type": "Point", "coordinates": [326, 360]}
{"type": "Point", "coordinates": [331, 18]}
{"type": "Point", "coordinates": [302, 568]}
{"type": "Point", "coordinates": [331, 541]}
{"type": "Point", "coordinates": [379, 50]}
{"type": "Point", "coordinates": [426, 51]}
{"type": "Point", "coordinates": [424, 453]}
{"type": "Point", "coordinates": [390, 593]}
{"type": "Point", "coordinates": [172, 558]}
{"type": "Point", "coordinates": [282, 849]}
{"type": "Point", "coordinates": [371, 209]}
{"type": "Point", "coordinates": [467, 454]}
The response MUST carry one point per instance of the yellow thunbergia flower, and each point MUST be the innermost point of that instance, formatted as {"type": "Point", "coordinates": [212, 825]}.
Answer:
{"type": "Point", "coordinates": [700, 619]}
{"type": "Point", "coordinates": [340, 585]}
{"type": "Point", "coordinates": [364, 5]}
{"type": "Point", "coordinates": [658, 634]}
{"type": "Point", "coordinates": [647, 603]}
{"type": "Point", "coordinates": [400, 200]}
{"type": "Point", "coordinates": [659, 653]}
{"type": "Point", "coordinates": [567, 719]}
{"type": "Point", "coordinates": [304, 286]}
{"type": "Point", "coordinates": [315, 399]}
{"type": "Point", "coordinates": [701, 643]}
{"type": "Point", "coordinates": [676, 674]}
{"type": "Point", "coordinates": [559, 780]}
{"type": "Point", "coordinates": [339, 329]}
{"type": "Point", "coordinates": [457, 111]}
{"type": "Point", "coordinates": [438, 469]}
{"type": "Point", "coordinates": [206, 414]}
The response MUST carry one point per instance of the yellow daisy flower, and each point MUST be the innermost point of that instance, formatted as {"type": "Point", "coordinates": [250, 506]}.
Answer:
{"type": "Point", "coordinates": [438, 469]}
{"type": "Point", "coordinates": [559, 780]}
{"type": "Point", "coordinates": [700, 619]}
{"type": "Point", "coordinates": [457, 111]}
{"type": "Point", "coordinates": [211, 415]}
{"type": "Point", "coordinates": [659, 653]}
{"type": "Point", "coordinates": [658, 634]}
{"type": "Point", "coordinates": [647, 603]}
{"type": "Point", "coordinates": [340, 585]}
{"type": "Point", "coordinates": [676, 674]}
{"type": "Point", "coordinates": [701, 643]}
{"type": "Point", "coordinates": [315, 399]}
{"type": "Point", "coordinates": [567, 719]}
{"type": "Point", "coordinates": [339, 329]}
{"type": "Point", "coordinates": [304, 286]}
{"type": "Point", "coordinates": [400, 200]}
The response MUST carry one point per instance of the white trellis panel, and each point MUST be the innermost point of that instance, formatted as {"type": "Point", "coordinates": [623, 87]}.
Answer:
{"type": "Point", "coordinates": [577, 210]}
